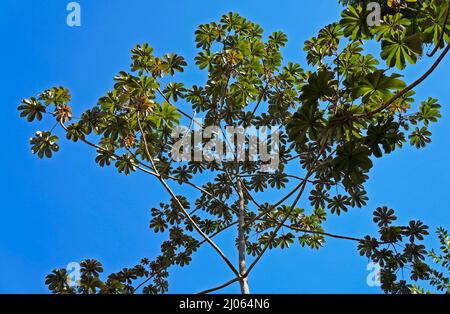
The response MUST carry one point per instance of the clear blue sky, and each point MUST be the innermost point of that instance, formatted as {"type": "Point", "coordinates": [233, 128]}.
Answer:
{"type": "Point", "coordinates": [66, 209]}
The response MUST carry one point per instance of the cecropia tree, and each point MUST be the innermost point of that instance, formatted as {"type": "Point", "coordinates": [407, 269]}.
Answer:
{"type": "Point", "coordinates": [335, 115]}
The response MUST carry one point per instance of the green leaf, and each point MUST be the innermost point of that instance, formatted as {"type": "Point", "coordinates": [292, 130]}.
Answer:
{"type": "Point", "coordinates": [376, 87]}
{"type": "Point", "coordinates": [354, 23]}
{"type": "Point", "coordinates": [420, 137]}
{"type": "Point", "coordinates": [174, 62]}
{"type": "Point", "coordinates": [351, 163]}
{"type": "Point", "coordinates": [31, 109]}
{"type": "Point", "coordinates": [57, 96]}
{"type": "Point", "coordinates": [307, 122]}
{"type": "Point", "coordinates": [320, 84]}
{"type": "Point", "coordinates": [44, 144]}
{"type": "Point", "coordinates": [429, 111]}
{"type": "Point", "coordinates": [126, 164]}
{"type": "Point", "coordinates": [386, 134]}
{"type": "Point", "coordinates": [400, 47]}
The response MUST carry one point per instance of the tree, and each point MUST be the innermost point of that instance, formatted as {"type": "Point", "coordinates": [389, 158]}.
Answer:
{"type": "Point", "coordinates": [338, 114]}
{"type": "Point", "coordinates": [436, 276]}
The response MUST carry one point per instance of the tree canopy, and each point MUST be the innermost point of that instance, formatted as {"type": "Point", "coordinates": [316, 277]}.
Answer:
{"type": "Point", "coordinates": [337, 113]}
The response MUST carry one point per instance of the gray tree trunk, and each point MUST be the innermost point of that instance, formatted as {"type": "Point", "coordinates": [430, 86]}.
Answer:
{"type": "Point", "coordinates": [241, 240]}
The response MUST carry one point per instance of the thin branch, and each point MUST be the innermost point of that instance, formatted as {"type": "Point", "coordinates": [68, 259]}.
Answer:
{"type": "Point", "coordinates": [196, 227]}
{"type": "Point", "coordinates": [331, 235]}
{"type": "Point", "coordinates": [304, 183]}
{"type": "Point", "coordinates": [302, 189]}
{"type": "Point", "coordinates": [220, 287]}
{"type": "Point", "coordinates": [408, 88]}
{"type": "Point", "coordinates": [84, 140]}
{"type": "Point", "coordinates": [206, 238]}
{"type": "Point", "coordinates": [261, 96]}
{"type": "Point", "coordinates": [178, 109]}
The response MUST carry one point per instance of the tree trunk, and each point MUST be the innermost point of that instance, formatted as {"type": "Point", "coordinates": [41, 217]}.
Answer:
{"type": "Point", "coordinates": [241, 240]}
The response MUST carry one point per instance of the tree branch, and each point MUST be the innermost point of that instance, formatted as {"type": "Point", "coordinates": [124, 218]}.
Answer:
{"type": "Point", "coordinates": [219, 287]}
{"type": "Point", "coordinates": [196, 227]}
{"type": "Point", "coordinates": [408, 88]}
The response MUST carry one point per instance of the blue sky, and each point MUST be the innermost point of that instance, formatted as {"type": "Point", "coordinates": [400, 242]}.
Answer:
{"type": "Point", "coordinates": [66, 209]}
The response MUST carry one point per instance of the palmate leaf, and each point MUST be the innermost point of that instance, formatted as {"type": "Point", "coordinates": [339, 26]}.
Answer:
{"type": "Point", "coordinates": [74, 132]}
{"type": "Point", "coordinates": [319, 214]}
{"type": "Point", "coordinates": [231, 20]}
{"type": "Point", "coordinates": [318, 197]}
{"type": "Point", "coordinates": [182, 174]}
{"type": "Point", "coordinates": [44, 144]}
{"type": "Point", "coordinates": [416, 230]}
{"type": "Point", "coordinates": [306, 123]}
{"type": "Point", "coordinates": [429, 111]}
{"type": "Point", "coordinates": [206, 34]}
{"type": "Point", "coordinates": [204, 59]}
{"type": "Point", "coordinates": [126, 164]}
{"type": "Point", "coordinates": [391, 233]}
{"type": "Point", "coordinates": [266, 240]}
{"type": "Point", "coordinates": [285, 241]}
{"type": "Point", "coordinates": [397, 3]}
{"type": "Point", "coordinates": [324, 45]}
{"type": "Point", "coordinates": [339, 204]}
{"type": "Point", "coordinates": [420, 137]}
{"type": "Point", "coordinates": [115, 126]}
{"type": "Point", "coordinates": [91, 268]}
{"type": "Point", "coordinates": [314, 51]}
{"type": "Point", "coordinates": [56, 96]}
{"type": "Point", "coordinates": [255, 49]}
{"type": "Point", "coordinates": [400, 47]}
{"type": "Point", "coordinates": [313, 241]}
{"type": "Point", "coordinates": [367, 246]}
{"type": "Point", "coordinates": [58, 281]}
{"type": "Point", "coordinates": [403, 103]}
{"type": "Point", "coordinates": [377, 86]}
{"type": "Point", "coordinates": [110, 102]}
{"type": "Point", "coordinates": [142, 56]}
{"type": "Point", "coordinates": [63, 113]}
{"type": "Point", "coordinates": [354, 23]}
{"type": "Point", "coordinates": [362, 65]}
{"type": "Point", "coordinates": [358, 198]}
{"type": "Point", "coordinates": [167, 115]}
{"type": "Point", "coordinates": [383, 216]}
{"type": "Point", "coordinates": [384, 134]}
{"type": "Point", "coordinates": [174, 90]}
{"type": "Point", "coordinates": [31, 109]}
{"type": "Point", "coordinates": [174, 63]}
{"type": "Point", "coordinates": [278, 181]}
{"type": "Point", "coordinates": [258, 183]}
{"type": "Point", "coordinates": [91, 120]}
{"type": "Point", "coordinates": [391, 25]}
{"type": "Point", "coordinates": [278, 39]}
{"type": "Point", "coordinates": [351, 163]}
{"type": "Point", "coordinates": [320, 84]}
{"type": "Point", "coordinates": [104, 158]}
{"type": "Point", "coordinates": [243, 92]}
{"type": "Point", "coordinates": [330, 36]}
